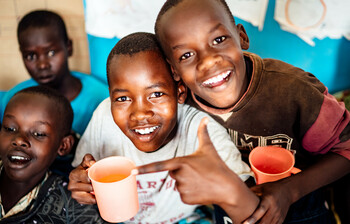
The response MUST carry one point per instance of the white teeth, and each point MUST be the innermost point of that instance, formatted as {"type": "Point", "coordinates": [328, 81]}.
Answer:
{"type": "Point", "coordinates": [146, 131]}
{"type": "Point", "coordinates": [18, 158]}
{"type": "Point", "coordinates": [216, 79]}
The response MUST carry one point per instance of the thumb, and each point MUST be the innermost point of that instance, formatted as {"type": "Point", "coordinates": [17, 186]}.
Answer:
{"type": "Point", "coordinates": [202, 133]}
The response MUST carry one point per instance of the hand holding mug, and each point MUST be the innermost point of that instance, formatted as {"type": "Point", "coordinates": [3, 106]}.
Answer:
{"type": "Point", "coordinates": [79, 182]}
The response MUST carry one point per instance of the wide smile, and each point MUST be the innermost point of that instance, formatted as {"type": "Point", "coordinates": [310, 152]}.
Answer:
{"type": "Point", "coordinates": [146, 131]}
{"type": "Point", "coordinates": [145, 134]}
{"type": "Point", "coordinates": [18, 159]}
{"type": "Point", "coordinates": [217, 80]}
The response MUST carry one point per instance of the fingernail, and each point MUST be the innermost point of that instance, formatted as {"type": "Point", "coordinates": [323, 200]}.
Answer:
{"type": "Point", "coordinates": [134, 172]}
{"type": "Point", "coordinates": [206, 120]}
{"type": "Point", "coordinates": [249, 221]}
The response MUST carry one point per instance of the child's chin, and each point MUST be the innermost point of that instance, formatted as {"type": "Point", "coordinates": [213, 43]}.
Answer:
{"type": "Point", "coordinates": [145, 148]}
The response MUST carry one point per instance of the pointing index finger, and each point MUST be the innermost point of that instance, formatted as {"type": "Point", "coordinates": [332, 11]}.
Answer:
{"type": "Point", "coordinates": [171, 164]}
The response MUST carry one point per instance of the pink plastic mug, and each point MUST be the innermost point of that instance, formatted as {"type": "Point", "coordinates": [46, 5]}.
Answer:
{"type": "Point", "coordinates": [272, 163]}
{"type": "Point", "coordinates": [115, 188]}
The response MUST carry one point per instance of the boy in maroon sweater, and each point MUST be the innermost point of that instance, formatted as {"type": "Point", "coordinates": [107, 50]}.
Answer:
{"type": "Point", "coordinates": [261, 102]}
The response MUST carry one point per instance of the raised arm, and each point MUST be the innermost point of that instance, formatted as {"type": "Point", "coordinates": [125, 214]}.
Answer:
{"type": "Point", "coordinates": [203, 178]}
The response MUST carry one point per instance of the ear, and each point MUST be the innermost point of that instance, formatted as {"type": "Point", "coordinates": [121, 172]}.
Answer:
{"type": "Point", "coordinates": [70, 47]}
{"type": "Point", "coordinates": [243, 37]}
{"type": "Point", "coordinates": [181, 92]}
{"type": "Point", "coordinates": [66, 145]}
{"type": "Point", "coordinates": [175, 75]}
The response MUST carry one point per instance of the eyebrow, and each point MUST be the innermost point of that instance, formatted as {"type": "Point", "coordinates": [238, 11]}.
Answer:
{"type": "Point", "coordinates": [156, 85]}
{"type": "Point", "coordinates": [31, 49]}
{"type": "Point", "coordinates": [210, 31]}
{"type": "Point", "coordinates": [43, 123]}
{"type": "Point", "coordinates": [9, 116]}
{"type": "Point", "coordinates": [119, 90]}
{"type": "Point", "coordinates": [153, 86]}
{"type": "Point", "coordinates": [215, 27]}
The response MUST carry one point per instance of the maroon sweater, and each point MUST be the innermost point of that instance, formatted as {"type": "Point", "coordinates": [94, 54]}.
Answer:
{"type": "Point", "coordinates": [284, 106]}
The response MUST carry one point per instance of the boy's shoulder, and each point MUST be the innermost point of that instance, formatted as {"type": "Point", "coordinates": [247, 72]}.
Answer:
{"type": "Point", "coordinates": [89, 78]}
{"type": "Point", "coordinates": [91, 86]}
{"type": "Point", "coordinates": [272, 65]}
{"type": "Point", "coordinates": [189, 118]}
{"type": "Point", "coordinates": [188, 112]}
{"type": "Point", "coordinates": [277, 71]}
{"type": "Point", "coordinates": [22, 85]}
{"type": "Point", "coordinates": [103, 109]}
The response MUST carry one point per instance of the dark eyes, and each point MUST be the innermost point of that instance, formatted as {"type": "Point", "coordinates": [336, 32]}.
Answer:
{"type": "Point", "coordinates": [156, 95]}
{"type": "Point", "coordinates": [38, 134]}
{"type": "Point", "coordinates": [219, 40]}
{"type": "Point", "coordinates": [35, 133]}
{"type": "Point", "coordinates": [33, 56]}
{"type": "Point", "coordinates": [122, 99]}
{"type": "Point", "coordinates": [186, 55]}
{"type": "Point", "coordinates": [51, 53]}
{"type": "Point", "coordinates": [153, 95]}
{"type": "Point", "coordinates": [30, 57]}
{"type": "Point", "coordinates": [9, 129]}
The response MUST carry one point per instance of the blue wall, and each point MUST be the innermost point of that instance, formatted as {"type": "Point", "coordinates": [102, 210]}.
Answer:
{"type": "Point", "coordinates": [329, 60]}
{"type": "Point", "coordinates": [99, 49]}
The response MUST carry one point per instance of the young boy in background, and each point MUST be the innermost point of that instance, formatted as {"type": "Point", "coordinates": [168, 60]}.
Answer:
{"type": "Point", "coordinates": [36, 128]}
{"type": "Point", "coordinates": [45, 48]}
{"type": "Point", "coordinates": [144, 120]}
{"type": "Point", "coordinates": [261, 102]}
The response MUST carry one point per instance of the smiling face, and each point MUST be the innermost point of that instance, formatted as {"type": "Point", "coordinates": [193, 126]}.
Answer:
{"type": "Point", "coordinates": [204, 48]}
{"type": "Point", "coordinates": [45, 55]}
{"type": "Point", "coordinates": [143, 99]}
{"type": "Point", "coordinates": [29, 139]}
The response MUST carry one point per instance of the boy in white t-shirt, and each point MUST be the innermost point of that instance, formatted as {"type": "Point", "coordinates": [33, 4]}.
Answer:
{"type": "Point", "coordinates": [152, 125]}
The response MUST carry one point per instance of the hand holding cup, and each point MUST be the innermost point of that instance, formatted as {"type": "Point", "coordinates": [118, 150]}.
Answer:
{"type": "Point", "coordinates": [79, 182]}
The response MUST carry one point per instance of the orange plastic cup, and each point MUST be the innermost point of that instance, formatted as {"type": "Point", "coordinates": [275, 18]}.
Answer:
{"type": "Point", "coordinates": [115, 188]}
{"type": "Point", "coordinates": [271, 163]}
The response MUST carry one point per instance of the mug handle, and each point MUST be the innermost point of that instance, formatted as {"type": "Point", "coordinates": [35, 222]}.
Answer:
{"type": "Point", "coordinates": [91, 192]}
{"type": "Point", "coordinates": [295, 170]}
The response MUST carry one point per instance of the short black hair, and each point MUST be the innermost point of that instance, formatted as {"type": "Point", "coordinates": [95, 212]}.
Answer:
{"type": "Point", "coordinates": [133, 44]}
{"type": "Point", "coordinates": [40, 19]}
{"type": "Point", "coordinates": [62, 104]}
{"type": "Point", "coordinates": [171, 3]}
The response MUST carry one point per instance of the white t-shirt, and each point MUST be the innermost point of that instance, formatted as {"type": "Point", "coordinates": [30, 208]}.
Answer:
{"type": "Point", "coordinates": [103, 138]}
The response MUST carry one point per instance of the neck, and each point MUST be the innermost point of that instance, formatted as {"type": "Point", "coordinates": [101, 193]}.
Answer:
{"type": "Point", "coordinates": [70, 87]}
{"type": "Point", "coordinates": [12, 191]}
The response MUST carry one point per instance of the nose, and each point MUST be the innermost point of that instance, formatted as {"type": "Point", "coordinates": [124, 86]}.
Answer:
{"type": "Point", "coordinates": [43, 63]}
{"type": "Point", "coordinates": [208, 59]}
{"type": "Point", "coordinates": [20, 140]}
{"type": "Point", "coordinates": [141, 110]}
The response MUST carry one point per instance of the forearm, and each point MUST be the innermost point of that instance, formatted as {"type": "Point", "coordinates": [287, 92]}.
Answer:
{"type": "Point", "coordinates": [240, 202]}
{"type": "Point", "coordinates": [329, 169]}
